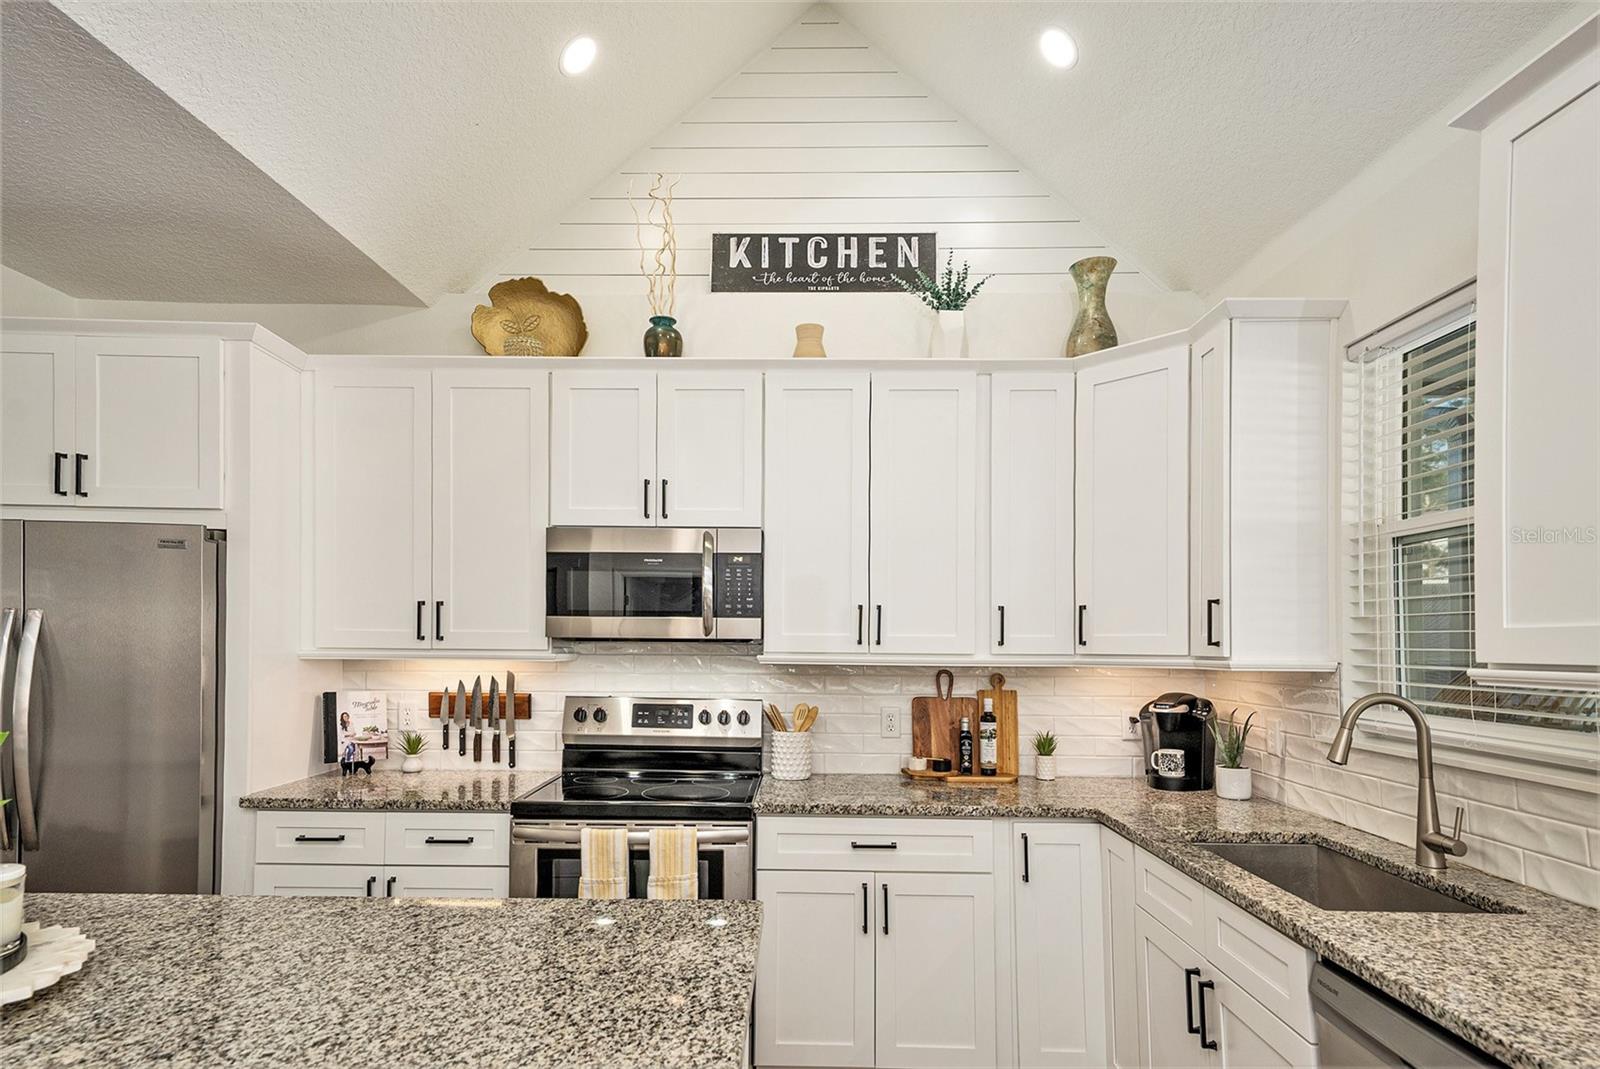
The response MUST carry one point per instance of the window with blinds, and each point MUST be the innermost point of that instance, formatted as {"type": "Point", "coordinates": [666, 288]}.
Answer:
{"type": "Point", "coordinates": [1408, 513]}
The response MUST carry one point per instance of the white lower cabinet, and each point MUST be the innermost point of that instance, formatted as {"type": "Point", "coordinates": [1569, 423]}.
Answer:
{"type": "Point", "coordinates": [324, 881]}
{"type": "Point", "coordinates": [1167, 969]}
{"type": "Point", "coordinates": [383, 855]}
{"type": "Point", "coordinates": [1059, 945]}
{"type": "Point", "coordinates": [446, 881]}
{"type": "Point", "coordinates": [1121, 974]}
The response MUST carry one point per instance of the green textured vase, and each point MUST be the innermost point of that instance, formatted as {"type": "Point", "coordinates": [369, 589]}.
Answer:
{"type": "Point", "coordinates": [663, 339]}
{"type": "Point", "coordinates": [1092, 330]}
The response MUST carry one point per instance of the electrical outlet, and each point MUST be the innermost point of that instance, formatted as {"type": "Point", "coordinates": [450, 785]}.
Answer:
{"type": "Point", "coordinates": [890, 716]}
{"type": "Point", "coordinates": [1130, 728]}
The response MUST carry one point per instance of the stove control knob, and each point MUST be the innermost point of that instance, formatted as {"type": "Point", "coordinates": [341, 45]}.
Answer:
{"type": "Point", "coordinates": [744, 717]}
{"type": "Point", "coordinates": [599, 716]}
{"type": "Point", "coordinates": [723, 718]}
{"type": "Point", "coordinates": [705, 716]}
{"type": "Point", "coordinates": [580, 714]}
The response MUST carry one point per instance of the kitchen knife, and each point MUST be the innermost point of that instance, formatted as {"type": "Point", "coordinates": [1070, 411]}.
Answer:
{"type": "Point", "coordinates": [477, 719]}
{"type": "Point", "coordinates": [444, 716]}
{"type": "Point", "coordinates": [461, 711]}
{"type": "Point", "coordinates": [511, 719]}
{"type": "Point", "coordinates": [494, 717]}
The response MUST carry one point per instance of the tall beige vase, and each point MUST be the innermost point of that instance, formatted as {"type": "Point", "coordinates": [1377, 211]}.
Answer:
{"type": "Point", "coordinates": [1092, 330]}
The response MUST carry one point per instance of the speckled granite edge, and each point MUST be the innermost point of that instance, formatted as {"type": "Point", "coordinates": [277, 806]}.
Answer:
{"type": "Point", "coordinates": [1521, 982]}
{"type": "Point", "coordinates": [388, 790]}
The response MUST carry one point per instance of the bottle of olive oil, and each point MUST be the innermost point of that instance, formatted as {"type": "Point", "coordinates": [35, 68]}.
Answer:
{"type": "Point", "coordinates": [965, 744]}
{"type": "Point", "coordinates": [988, 740]}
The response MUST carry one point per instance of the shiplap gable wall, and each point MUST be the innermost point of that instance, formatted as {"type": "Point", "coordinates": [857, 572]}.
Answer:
{"type": "Point", "coordinates": [821, 132]}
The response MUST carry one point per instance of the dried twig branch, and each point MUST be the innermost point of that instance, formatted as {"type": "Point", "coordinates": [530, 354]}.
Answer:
{"type": "Point", "coordinates": [661, 274]}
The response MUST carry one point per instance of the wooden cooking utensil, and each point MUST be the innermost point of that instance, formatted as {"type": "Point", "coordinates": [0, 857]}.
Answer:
{"type": "Point", "coordinates": [774, 717]}
{"type": "Point", "coordinates": [1005, 711]}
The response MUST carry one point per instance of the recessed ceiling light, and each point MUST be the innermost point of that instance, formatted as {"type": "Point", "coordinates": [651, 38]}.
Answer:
{"type": "Point", "coordinates": [579, 55]}
{"type": "Point", "coordinates": [1058, 47]}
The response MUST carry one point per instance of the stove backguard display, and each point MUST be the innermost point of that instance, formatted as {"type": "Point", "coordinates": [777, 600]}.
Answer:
{"type": "Point", "coordinates": [663, 715]}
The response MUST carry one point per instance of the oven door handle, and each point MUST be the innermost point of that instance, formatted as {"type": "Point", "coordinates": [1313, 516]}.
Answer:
{"type": "Point", "coordinates": [708, 559]}
{"type": "Point", "coordinates": [572, 836]}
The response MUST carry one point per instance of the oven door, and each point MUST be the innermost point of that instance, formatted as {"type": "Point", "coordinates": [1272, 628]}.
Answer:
{"type": "Point", "coordinates": [545, 860]}
{"type": "Point", "coordinates": [618, 582]}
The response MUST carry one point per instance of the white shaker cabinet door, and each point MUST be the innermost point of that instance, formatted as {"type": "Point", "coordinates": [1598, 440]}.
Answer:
{"type": "Point", "coordinates": [1060, 946]}
{"type": "Point", "coordinates": [1169, 972]}
{"type": "Point", "coordinates": [936, 970]}
{"type": "Point", "coordinates": [149, 422]}
{"type": "Point", "coordinates": [446, 881]}
{"type": "Point", "coordinates": [37, 398]}
{"type": "Point", "coordinates": [332, 881]}
{"type": "Point", "coordinates": [815, 526]}
{"type": "Point", "coordinates": [603, 449]}
{"type": "Point", "coordinates": [1030, 480]}
{"type": "Point", "coordinates": [1247, 1034]}
{"type": "Point", "coordinates": [708, 448]}
{"type": "Point", "coordinates": [1132, 504]}
{"type": "Point", "coordinates": [924, 527]}
{"type": "Point", "coordinates": [1121, 973]}
{"type": "Point", "coordinates": [490, 442]}
{"type": "Point", "coordinates": [373, 513]}
{"type": "Point", "coordinates": [814, 974]}
{"type": "Point", "coordinates": [1209, 603]}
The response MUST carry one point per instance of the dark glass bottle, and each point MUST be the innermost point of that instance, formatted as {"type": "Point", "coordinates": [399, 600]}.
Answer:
{"type": "Point", "coordinates": [966, 747]}
{"type": "Point", "coordinates": [988, 740]}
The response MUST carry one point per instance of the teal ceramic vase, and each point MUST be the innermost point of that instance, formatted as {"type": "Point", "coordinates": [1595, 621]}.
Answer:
{"type": "Point", "coordinates": [663, 339]}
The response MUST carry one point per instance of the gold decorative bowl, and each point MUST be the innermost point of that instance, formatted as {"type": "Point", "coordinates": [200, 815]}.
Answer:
{"type": "Point", "coordinates": [523, 318]}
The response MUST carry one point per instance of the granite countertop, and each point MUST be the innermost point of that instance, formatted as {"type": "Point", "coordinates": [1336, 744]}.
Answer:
{"type": "Point", "coordinates": [191, 980]}
{"type": "Point", "coordinates": [1522, 986]}
{"type": "Point", "coordinates": [440, 791]}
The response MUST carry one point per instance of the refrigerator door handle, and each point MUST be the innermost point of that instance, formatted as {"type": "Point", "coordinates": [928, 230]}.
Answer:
{"type": "Point", "coordinates": [27, 826]}
{"type": "Point", "coordinates": [8, 622]}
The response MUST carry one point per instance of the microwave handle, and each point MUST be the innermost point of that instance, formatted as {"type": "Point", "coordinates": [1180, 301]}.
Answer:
{"type": "Point", "coordinates": [708, 559]}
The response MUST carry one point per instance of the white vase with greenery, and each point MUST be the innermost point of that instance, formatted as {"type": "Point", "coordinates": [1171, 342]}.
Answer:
{"type": "Point", "coordinates": [1232, 777]}
{"type": "Point", "coordinates": [411, 747]}
{"type": "Point", "coordinates": [1044, 755]}
{"type": "Point", "coordinates": [948, 297]}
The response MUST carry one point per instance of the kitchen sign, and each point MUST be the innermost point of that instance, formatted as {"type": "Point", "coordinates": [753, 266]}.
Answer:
{"type": "Point", "coordinates": [818, 263]}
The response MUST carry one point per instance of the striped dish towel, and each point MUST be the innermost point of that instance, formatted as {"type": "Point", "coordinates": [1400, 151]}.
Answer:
{"type": "Point", "coordinates": [603, 863]}
{"type": "Point", "coordinates": [674, 863]}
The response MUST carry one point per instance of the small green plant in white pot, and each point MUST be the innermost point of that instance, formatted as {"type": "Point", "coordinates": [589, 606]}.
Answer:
{"type": "Point", "coordinates": [1044, 755]}
{"type": "Point", "coordinates": [1232, 778]}
{"type": "Point", "coordinates": [411, 746]}
{"type": "Point", "coordinates": [947, 296]}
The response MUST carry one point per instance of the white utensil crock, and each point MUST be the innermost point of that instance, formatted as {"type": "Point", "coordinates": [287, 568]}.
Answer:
{"type": "Point", "coordinates": [791, 754]}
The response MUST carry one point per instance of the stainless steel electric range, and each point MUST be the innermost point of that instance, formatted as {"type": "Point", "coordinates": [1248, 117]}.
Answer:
{"type": "Point", "coordinates": [641, 763]}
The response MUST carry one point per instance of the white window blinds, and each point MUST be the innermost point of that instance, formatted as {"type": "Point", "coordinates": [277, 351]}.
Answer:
{"type": "Point", "coordinates": [1408, 516]}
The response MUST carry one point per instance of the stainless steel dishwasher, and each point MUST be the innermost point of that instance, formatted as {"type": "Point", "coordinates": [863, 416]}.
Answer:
{"type": "Point", "coordinates": [1359, 1026]}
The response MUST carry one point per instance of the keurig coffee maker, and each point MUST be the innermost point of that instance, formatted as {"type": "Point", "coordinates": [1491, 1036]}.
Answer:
{"type": "Point", "coordinates": [1179, 750]}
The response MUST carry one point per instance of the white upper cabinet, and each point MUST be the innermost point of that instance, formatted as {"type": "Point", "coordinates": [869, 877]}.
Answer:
{"type": "Point", "coordinates": [1132, 503]}
{"type": "Point", "coordinates": [373, 513]}
{"type": "Point", "coordinates": [1208, 493]}
{"type": "Point", "coordinates": [1060, 946]}
{"type": "Point", "coordinates": [37, 399]}
{"type": "Point", "coordinates": [1030, 513]}
{"type": "Point", "coordinates": [1538, 362]}
{"type": "Point", "coordinates": [603, 449]}
{"type": "Point", "coordinates": [490, 442]}
{"type": "Point", "coordinates": [924, 509]}
{"type": "Point", "coordinates": [818, 463]}
{"type": "Point", "coordinates": [708, 449]}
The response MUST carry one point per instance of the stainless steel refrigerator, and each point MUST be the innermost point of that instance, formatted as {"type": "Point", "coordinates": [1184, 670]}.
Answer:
{"type": "Point", "coordinates": [112, 674]}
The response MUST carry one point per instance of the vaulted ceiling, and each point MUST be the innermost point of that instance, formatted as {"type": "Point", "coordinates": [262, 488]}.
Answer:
{"type": "Point", "coordinates": [387, 153]}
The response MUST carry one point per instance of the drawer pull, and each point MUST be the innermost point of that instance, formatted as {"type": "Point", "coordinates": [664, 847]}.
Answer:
{"type": "Point", "coordinates": [873, 846]}
{"type": "Point", "coordinates": [370, 881]}
{"type": "Point", "coordinates": [449, 842]}
{"type": "Point", "coordinates": [1189, 976]}
{"type": "Point", "coordinates": [319, 838]}
{"type": "Point", "coordinates": [1200, 996]}
{"type": "Point", "coordinates": [864, 929]}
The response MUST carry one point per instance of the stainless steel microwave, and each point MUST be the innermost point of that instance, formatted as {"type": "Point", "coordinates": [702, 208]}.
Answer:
{"type": "Point", "coordinates": [653, 582]}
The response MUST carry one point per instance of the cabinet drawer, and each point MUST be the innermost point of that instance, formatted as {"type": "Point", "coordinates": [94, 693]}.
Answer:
{"type": "Point", "coordinates": [875, 845]}
{"type": "Point", "coordinates": [447, 839]}
{"type": "Point", "coordinates": [319, 838]}
{"type": "Point", "coordinates": [1260, 959]}
{"type": "Point", "coordinates": [1169, 896]}
{"type": "Point", "coordinates": [433, 881]}
{"type": "Point", "coordinates": [338, 881]}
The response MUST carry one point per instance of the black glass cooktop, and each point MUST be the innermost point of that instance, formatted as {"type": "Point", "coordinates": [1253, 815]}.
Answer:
{"type": "Point", "coordinates": [642, 795]}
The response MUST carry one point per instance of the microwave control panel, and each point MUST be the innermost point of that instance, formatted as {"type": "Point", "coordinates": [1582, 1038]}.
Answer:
{"type": "Point", "coordinates": [738, 586]}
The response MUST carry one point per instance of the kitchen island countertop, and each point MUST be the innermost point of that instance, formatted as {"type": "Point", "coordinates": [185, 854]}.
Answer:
{"type": "Point", "coordinates": [192, 980]}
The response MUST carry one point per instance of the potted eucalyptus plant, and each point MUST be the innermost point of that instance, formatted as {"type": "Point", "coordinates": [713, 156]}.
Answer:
{"type": "Point", "coordinates": [948, 296]}
{"type": "Point", "coordinates": [1044, 755]}
{"type": "Point", "coordinates": [1232, 777]}
{"type": "Point", "coordinates": [411, 747]}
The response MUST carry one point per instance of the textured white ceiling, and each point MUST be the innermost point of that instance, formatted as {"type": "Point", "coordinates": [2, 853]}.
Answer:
{"type": "Point", "coordinates": [1192, 133]}
{"type": "Point", "coordinates": [109, 189]}
{"type": "Point", "coordinates": [434, 136]}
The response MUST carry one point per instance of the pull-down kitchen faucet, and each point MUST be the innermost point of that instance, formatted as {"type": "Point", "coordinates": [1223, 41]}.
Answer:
{"type": "Point", "coordinates": [1432, 843]}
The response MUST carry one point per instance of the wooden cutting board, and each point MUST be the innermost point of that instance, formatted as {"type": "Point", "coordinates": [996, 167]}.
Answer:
{"type": "Point", "coordinates": [1005, 711]}
{"type": "Point", "coordinates": [936, 721]}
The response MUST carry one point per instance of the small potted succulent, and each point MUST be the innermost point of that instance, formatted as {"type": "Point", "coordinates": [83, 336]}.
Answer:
{"type": "Point", "coordinates": [411, 746]}
{"type": "Point", "coordinates": [1232, 778]}
{"type": "Point", "coordinates": [1044, 755]}
{"type": "Point", "coordinates": [947, 296]}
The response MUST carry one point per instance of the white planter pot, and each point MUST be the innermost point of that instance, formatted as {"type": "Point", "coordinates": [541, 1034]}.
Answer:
{"type": "Point", "coordinates": [411, 764]}
{"type": "Point", "coordinates": [1233, 783]}
{"type": "Point", "coordinates": [950, 336]}
{"type": "Point", "coordinates": [12, 878]}
{"type": "Point", "coordinates": [1044, 768]}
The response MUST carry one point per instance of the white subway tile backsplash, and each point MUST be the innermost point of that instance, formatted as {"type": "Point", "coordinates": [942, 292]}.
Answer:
{"type": "Point", "coordinates": [1563, 878]}
{"type": "Point", "coordinates": [1559, 804]}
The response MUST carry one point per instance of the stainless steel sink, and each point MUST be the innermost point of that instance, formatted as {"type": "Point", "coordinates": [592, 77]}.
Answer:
{"type": "Point", "coordinates": [1331, 880]}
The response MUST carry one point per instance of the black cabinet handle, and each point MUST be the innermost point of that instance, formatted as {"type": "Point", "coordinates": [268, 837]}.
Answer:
{"type": "Point", "coordinates": [388, 887]}
{"type": "Point", "coordinates": [319, 838]}
{"type": "Point", "coordinates": [1202, 987]}
{"type": "Point", "coordinates": [861, 612]}
{"type": "Point", "coordinates": [370, 881]}
{"type": "Point", "coordinates": [422, 636]}
{"type": "Point", "coordinates": [60, 490]}
{"type": "Point", "coordinates": [77, 474]}
{"type": "Point", "coordinates": [1002, 641]}
{"type": "Point", "coordinates": [449, 842]}
{"type": "Point", "coordinates": [663, 499]}
{"type": "Point", "coordinates": [1212, 603]}
{"type": "Point", "coordinates": [1024, 857]}
{"type": "Point", "coordinates": [647, 499]}
{"type": "Point", "coordinates": [1081, 610]}
{"type": "Point", "coordinates": [1189, 976]}
{"type": "Point", "coordinates": [873, 846]}
{"type": "Point", "coordinates": [885, 909]}
{"type": "Point", "coordinates": [438, 621]}
{"type": "Point", "coordinates": [864, 928]}
{"type": "Point", "coordinates": [878, 610]}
